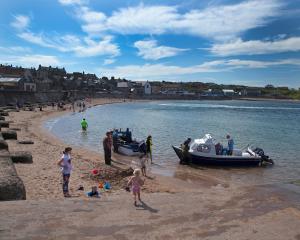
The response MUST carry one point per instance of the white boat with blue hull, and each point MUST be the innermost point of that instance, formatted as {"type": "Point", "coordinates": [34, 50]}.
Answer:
{"type": "Point", "coordinates": [205, 151]}
{"type": "Point", "coordinates": [124, 144]}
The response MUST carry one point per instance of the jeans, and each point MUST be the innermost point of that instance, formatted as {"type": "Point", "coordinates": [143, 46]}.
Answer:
{"type": "Point", "coordinates": [66, 178]}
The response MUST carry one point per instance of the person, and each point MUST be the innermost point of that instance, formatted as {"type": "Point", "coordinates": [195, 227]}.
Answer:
{"type": "Point", "coordinates": [230, 145]}
{"type": "Point", "coordinates": [93, 193]}
{"type": "Point", "coordinates": [73, 106]}
{"type": "Point", "coordinates": [143, 164]}
{"type": "Point", "coordinates": [107, 143]}
{"type": "Point", "coordinates": [66, 165]}
{"type": "Point", "coordinates": [79, 105]}
{"type": "Point", "coordinates": [128, 135]}
{"type": "Point", "coordinates": [149, 147]}
{"type": "Point", "coordinates": [84, 124]}
{"type": "Point", "coordinates": [115, 140]}
{"type": "Point", "coordinates": [185, 148]}
{"type": "Point", "coordinates": [83, 106]}
{"type": "Point", "coordinates": [219, 148]}
{"type": "Point", "coordinates": [136, 182]}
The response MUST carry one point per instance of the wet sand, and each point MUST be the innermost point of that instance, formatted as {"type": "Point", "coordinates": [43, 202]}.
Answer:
{"type": "Point", "coordinates": [194, 205]}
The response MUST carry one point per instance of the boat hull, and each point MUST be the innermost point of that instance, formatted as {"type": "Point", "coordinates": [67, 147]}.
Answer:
{"type": "Point", "coordinates": [128, 150]}
{"type": "Point", "coordinates": [217, 161]}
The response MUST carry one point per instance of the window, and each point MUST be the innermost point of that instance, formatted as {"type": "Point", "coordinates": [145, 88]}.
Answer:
{"type": "Point", "coordinates": [203, 148]}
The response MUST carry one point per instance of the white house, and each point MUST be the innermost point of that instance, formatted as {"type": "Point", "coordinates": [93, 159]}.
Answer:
{"type": "Point", "coordinates": [147, 88]}
{"type": "Point", "coordinates": [228, 92]}
{"type": "Point", "coordinates": [122, 85]}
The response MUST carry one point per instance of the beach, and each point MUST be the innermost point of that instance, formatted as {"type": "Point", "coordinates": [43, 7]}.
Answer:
{"type": "Point", "coordinates": [191, 205]}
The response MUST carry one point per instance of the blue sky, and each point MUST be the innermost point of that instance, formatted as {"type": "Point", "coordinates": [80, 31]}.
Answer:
{"type": "Point", "coordinates": [250, 42]}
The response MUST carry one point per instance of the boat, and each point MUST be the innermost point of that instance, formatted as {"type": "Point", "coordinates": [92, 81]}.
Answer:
{"type": "Point", "coordinates": [124, 144]}
{"type": "Point", "coordinates": [204, 151]}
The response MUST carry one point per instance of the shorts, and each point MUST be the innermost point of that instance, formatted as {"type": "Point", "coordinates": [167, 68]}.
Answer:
{"type": "Point", "coordinates": [135, 189]}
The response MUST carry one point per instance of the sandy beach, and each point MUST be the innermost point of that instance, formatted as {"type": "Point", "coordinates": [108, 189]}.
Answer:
{"type": "Point", "coordinates": [191, 205]}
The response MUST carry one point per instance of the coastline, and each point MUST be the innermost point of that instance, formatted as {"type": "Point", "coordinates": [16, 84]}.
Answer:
{"type": "Point", "coordinates": [189, 205]}
{"type": "Point", "coordinates": [42, 178]}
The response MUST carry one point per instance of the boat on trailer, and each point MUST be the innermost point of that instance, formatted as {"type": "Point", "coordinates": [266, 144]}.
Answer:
{"type": "Point", "coordinates": [205, 151]}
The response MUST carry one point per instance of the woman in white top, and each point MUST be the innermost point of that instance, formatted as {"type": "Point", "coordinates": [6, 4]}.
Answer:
{"type": "Point", "coordinates": [65, 163]}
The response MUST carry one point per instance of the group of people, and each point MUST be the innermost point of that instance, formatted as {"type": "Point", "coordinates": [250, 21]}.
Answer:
{"type": "Point", "coordinates": [135, 182]}
{"type": "Point", "coordinates": [225, 151]}
{"type": "Point", "coordinates": [218, 147]}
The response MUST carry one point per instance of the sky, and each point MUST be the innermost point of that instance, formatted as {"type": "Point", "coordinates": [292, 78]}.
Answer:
{"type": "Point", "coordinates": [252, 42]}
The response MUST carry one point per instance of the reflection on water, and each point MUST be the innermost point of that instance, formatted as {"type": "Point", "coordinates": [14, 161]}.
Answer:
{"type": "Point", "coordinates": [273, 126]}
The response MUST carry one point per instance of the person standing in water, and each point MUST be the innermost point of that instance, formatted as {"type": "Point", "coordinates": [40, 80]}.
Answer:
{"type": "Point", "coordinates": [84, 124]}
{"type": "Point", "coordinates": [149, 147]}
{"type": "Point", "coordinates": [65, 164]}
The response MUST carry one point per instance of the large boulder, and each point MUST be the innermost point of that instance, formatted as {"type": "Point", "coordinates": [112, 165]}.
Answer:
{"type": "Point", "coordinates": [11, 186]}
{"type": "Point", "coordinates": [4, 124]}
{"type": "Point", "coordinates": [9, 134]}
{"type": "Point", "coordinates": [3, 113]}
{"type": "Point", "coordinates": [21, 157]}
{"type": "Point", "coordinates": [3, 144]}
{"type": "Point", "coordinates": [26, 142]}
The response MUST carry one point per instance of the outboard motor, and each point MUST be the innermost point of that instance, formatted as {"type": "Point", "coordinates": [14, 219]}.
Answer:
{"type": "Point", "coordinates": [265, 158]}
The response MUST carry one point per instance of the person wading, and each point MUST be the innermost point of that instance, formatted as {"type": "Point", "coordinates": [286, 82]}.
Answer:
{"type": "Point", "coordinates": [107, 143]}
{"type": "Point", "coordinates": [84, 125]}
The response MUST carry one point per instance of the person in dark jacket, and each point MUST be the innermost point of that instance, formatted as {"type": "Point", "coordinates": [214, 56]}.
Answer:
{"type": "Point", "coordinates": [107, 144]}
{"type": "Point", "coordinates": [149, 147]}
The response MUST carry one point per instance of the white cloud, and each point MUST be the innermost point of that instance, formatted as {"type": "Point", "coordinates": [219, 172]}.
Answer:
{"type": "Point", "coordinates": [96, 48]}
{"type": "Point", "coordinates": [109, 61]}
{"type": "Point", "coordinates": [14, 49]}
{"type": "Point", "coordinates": [161, 71]}
{"type": "Point", "coordinates": [216, 22]}
{"type": "Point", "coordinates": [91, 16]}
{"type": "Point", "coordinates": [253, 47]}
{"type": "Point", "coordinates": [35, 38]}
{"type": "Point", "coordinates": [72, 2]}
{"type": "Point", "coordinates": [86, 47]}
{"type": "Point", "coordinates": [20, 22]}
{"type": "Point", "coordinates": [149, 50]}
{"type": "Point", "coordinates": [31, 60]}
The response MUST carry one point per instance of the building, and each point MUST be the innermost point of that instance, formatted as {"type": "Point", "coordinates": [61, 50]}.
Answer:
{"type": "Point", "coordinates": [147, 88]}
{"type": "Point", "coordinates": [123, 85]}
{"type": "Point", "coordinates": [228, 92]}
{"type": "Point", "coordinates": [9, 82]}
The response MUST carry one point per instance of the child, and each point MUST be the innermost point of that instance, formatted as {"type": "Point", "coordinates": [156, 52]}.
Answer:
{"type": "Point", "coordinates": [143, 164]}
{"type": "Point", "coordinates": [136, 182]}
{"type": "Point", "coordinates": [66, 167]}
{"type": "Point", "coordinates": [93, 193]}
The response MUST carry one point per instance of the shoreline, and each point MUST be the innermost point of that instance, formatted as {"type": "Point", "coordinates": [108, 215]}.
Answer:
{"type": "Point", "coordinates": [186, 206]}
{"type": "Point", "coordinates": [42, 178]}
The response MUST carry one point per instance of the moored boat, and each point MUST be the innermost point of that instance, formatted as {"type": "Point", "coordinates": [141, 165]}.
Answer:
{"type": "Point", "coordinates": [124, 144]}
{"type": "Point", "coordinates": [205, 151]}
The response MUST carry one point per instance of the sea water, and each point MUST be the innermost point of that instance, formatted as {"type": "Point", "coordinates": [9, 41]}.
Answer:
{"type": "Point", "coordinates": [271, 125]}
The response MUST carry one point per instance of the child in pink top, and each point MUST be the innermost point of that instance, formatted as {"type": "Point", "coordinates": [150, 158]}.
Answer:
{"type": "Point", "coordinates": [136, 182]}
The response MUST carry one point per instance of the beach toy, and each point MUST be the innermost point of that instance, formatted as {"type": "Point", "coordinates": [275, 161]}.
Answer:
{"type": "Point", "coordinates": [95, 171]}
{"type": "Point", "coordinates": [107, 186]}
{"type": "Point", "coordinates": [100, 185]}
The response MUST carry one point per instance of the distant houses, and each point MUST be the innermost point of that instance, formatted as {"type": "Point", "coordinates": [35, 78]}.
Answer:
{"type": "Point", "coordinates": [54, 79]}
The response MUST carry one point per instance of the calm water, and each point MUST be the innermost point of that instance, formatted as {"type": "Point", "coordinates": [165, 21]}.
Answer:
{"type": "Point", "coordinates": [273, 126]}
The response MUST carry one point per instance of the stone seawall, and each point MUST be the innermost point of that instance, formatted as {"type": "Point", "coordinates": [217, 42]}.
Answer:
{"type": "Point", "coordinates": [11, 97]}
